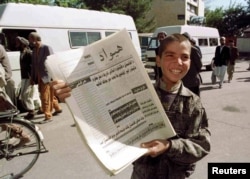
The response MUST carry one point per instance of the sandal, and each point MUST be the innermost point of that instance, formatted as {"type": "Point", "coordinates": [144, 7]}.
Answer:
{"type": "Point", "coordinates": [45, 121]}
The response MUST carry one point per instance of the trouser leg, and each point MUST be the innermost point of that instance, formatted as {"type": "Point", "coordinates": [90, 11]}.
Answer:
{"type": "Point", "coordinates": [222, 74]}
{"type": "Point", "coordinates": [213, 78]}
{"type": "Point", "coordinates": [10, 90]}
{"type": "Point", "coordinates": [46, 99]}
{"type": "Point", "coordinates": [27, 94]}
{"type": "Point", "coordinates": [230, 71]}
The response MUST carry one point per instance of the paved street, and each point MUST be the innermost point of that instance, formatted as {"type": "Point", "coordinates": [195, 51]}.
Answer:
{"type": "Point", "coordinates": [229, 118]}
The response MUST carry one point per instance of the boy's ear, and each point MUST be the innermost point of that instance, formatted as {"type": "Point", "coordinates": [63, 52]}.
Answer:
{"type": "Point", "coordinates": [158, 61]}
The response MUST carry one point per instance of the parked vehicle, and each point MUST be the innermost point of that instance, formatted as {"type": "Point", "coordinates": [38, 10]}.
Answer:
{"type": "Point", "coordinates": [59, 27]}
{"type": "Point", "coordinates": [144, 39]}
{"type": "Point", "coordinates": [206, 38]}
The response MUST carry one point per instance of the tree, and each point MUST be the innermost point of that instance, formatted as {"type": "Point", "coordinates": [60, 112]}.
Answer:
{"type": "Point", "coordinates": [70, 3]}
{"type": "Point", "coordinates": [230, 22]}
{"type": "Point", "coordinates": [214, 18]}
{"type": "Point", "coordinates": [248, 2]}
{"type": "Point", "coordinates": [136, 9]}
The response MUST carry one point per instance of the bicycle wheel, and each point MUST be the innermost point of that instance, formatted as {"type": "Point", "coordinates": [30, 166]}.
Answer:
{"type": "Point", "coordinates": [17, 159]}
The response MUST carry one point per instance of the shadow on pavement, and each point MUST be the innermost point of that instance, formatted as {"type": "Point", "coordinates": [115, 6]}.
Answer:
{"type": "Point", "coordinates": [247, 79]}
{"type": "Point", "coordinates": [207, 88]}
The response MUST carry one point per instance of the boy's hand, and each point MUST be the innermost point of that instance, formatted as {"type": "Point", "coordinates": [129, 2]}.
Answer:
{"type": "Point", "coordinates": [156, 147]}
{"type": "Point", "coordinates": [62, 90]}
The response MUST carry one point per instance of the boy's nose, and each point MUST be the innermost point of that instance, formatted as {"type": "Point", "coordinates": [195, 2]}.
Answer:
{"type": "Point", "coordinates": [179, 60]}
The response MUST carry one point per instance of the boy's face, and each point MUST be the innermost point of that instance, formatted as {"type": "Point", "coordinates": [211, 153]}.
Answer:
{"type": "Point", "coordinates": [174, 62]}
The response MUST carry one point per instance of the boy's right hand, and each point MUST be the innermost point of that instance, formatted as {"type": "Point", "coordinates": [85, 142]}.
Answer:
{"type": "Point", "coordinates": [62, 90]}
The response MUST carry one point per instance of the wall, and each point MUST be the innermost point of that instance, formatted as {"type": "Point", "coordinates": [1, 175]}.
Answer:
{"type": "Point", "coordinates": [243, 45]}
{"type": "Point", "coordinates": [166, 11]}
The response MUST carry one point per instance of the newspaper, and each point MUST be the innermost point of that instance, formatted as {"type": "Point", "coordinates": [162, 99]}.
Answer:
{"type": "Point", "coordinates": [113, 101]}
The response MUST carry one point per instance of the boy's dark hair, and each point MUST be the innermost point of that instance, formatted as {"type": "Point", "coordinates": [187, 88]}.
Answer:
{"type": "Point", "coordinates": [171, 38]}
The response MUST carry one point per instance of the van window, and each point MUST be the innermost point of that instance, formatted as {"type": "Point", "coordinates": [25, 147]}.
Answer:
{"type": "Point", "coordinates": [10, 37]}
{"type": "Point", "coordinates": [144, 41]}
{"type": "Point", "coordinates": [153, 44]}
{"type": "Point", "coordinates": [203, 42]}
{"type": "Point", "coordinates": [213, 41]}
{"type": "Point", "coordinates": [108, 33]}
{"type": "Point", "coordinates": [83, 38]}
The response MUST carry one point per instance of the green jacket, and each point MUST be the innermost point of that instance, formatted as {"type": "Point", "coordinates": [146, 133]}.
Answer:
{"type": "Point", "coordinates": [192, 143]}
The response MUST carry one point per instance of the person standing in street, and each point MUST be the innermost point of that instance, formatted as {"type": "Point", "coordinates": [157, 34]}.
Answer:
{"type": "Point", "coordinates": [160, 36]}
{"type": "Point", "coordinates": [221, 59]}
{"type": "Point", "coordinates": [40, 76]}
{"type": "Point", "coordinates": [192, 80]}
{"type": "Point", "coordinates": [9, 88]}
{"type": "Point", "coordinates": [231, 63]}
{"type": "Point", "coordinates": [26, 90]}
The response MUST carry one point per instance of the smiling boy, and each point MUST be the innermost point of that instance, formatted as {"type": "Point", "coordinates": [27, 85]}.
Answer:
{"type": "Point", "coordinates": [175, 158]}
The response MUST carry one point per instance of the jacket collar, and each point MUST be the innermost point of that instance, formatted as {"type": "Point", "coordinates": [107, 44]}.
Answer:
{"type": "Point", "coordinates": [178, 88]}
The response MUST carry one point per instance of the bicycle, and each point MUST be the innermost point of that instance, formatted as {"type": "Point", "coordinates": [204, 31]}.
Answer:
{"type": "Point", "coordinates": [18, 156]}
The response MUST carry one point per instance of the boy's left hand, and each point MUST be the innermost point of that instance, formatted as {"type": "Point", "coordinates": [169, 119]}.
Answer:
{"type": "Point", "coordinates": [156, 147]}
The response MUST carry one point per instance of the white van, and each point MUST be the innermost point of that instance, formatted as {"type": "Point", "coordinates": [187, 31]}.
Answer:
{"type": "Point", "coordinates": [206, 38]}
{"type": "Point", "coordinates": [144, 39]}
{"type": "Point", "coordinates": [59, 27]}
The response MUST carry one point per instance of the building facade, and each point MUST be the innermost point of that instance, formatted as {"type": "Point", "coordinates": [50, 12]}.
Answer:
{"type": "Point", "coordinates": [243, 43]}
{"type": "Point", "coordinates": [177, 12]}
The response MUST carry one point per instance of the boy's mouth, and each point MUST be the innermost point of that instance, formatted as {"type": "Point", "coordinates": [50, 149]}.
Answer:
{"type": "Point", "coordinates": [175, 71]}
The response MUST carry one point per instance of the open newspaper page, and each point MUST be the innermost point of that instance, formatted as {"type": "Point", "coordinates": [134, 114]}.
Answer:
{"type": "Point", "coordinates": [113, 102]}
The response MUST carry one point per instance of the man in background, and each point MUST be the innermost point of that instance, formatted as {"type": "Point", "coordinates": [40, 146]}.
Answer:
{"type": "Point", "coordinates": [10, 84]}
{"type": "Point", "coordinates": [160, 36]}
{"type": "Point", "coordinates": [221, 58]}
{"type": "Point", "coordinates": [26, 90]}
{"type": "Point", "coordinates": [231, 64]}
{"type": "Point", "coordinates": [40, 76]}
{"type": "Point", "coordinates": [192, 80]}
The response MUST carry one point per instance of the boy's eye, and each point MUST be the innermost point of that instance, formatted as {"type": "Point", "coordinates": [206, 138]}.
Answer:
{"type": "Point", "coordinates": [169, 55]}
{"type": "Point", "coordinates": [185, 58]}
